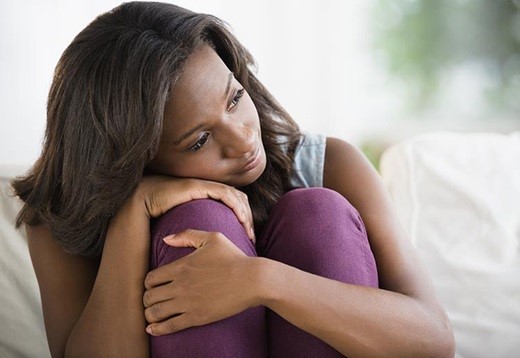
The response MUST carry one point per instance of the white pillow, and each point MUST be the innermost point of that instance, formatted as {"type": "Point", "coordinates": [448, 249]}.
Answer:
{"type": "Point", "coordinates": [458, 196]}
{"type": "Point", "coordinates": [22, 331]}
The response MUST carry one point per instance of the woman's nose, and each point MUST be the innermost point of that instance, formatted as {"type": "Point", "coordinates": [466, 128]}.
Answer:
{"type": "Point", "coordinates": [239, 140]}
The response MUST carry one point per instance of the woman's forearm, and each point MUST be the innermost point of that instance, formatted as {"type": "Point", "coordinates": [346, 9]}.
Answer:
{"type": "Point", "coordinates": [113, 323]}
{"type": "Point", "coordinates": [355, 320]}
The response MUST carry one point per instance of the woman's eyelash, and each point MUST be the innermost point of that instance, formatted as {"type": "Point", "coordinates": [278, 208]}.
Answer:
{"type": "Point", "coordinates": [236, 99]}
{"type": "Point", "coordinates": [200, 143]}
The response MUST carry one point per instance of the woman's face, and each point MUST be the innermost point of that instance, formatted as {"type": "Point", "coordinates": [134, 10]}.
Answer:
{"type": "Point", "coordinates": [211, 128]}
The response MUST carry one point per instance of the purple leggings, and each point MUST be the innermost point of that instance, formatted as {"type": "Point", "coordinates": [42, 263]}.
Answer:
{"type": "Point", "coordinates": [313, 229]}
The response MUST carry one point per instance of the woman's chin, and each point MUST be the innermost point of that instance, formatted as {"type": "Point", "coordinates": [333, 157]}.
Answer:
{"type": "Point", "coordinates": [248, 177]}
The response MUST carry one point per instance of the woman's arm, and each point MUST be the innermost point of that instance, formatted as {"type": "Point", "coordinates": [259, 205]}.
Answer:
{"type": "Point", "coordinates": [91, 308]}
{"type": "Point", "coordinates": [94, 308]}
{"type": "Point", "coordinates": [112, 322]}
{"type": "Point", "coordinates": [403, 318]}
{"type": "Point", "coordinates": [65, 282]}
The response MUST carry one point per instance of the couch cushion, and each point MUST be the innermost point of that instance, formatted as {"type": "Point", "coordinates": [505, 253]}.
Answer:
{"type": "Point", "coordinates": [458, 196]}
{"type": "Point", "coordinates": [22, 332]}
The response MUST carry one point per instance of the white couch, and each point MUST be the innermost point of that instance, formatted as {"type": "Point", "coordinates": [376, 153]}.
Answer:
{"type": "Point", "coordinates": [458, 195]}
{"type": "Point", "coordinates": [22, 333]}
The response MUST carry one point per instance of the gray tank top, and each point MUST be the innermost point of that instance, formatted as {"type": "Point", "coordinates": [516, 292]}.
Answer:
{"type": "Point", "coordinates": [309, 159]}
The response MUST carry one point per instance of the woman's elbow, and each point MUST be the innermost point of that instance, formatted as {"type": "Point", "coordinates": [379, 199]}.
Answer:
{"type": "Point", "coordinates": [444, 344]}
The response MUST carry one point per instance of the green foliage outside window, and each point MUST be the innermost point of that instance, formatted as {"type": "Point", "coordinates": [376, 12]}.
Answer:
{"type": "Point", "coordinates": [421, 39]}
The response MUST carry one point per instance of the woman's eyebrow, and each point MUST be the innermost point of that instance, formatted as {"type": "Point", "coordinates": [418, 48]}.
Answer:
{"type": "Point", "coordinates": [191, 131]}
{"type": "Point", "coordinates": [187, 134]}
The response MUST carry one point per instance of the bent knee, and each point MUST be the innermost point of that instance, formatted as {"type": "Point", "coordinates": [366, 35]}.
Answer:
{"type": "Point", "coordinates": [310, 195]}
{"type": "Point", "coordinates": [200, 214]}
{"type": "Point", "coordinates": [319, 205]}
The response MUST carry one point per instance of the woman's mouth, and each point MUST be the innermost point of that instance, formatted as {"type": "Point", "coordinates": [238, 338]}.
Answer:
{"type": "Point", "coordinates": [251, 163]}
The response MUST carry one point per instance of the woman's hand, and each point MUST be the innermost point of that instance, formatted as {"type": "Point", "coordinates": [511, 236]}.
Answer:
{"type": "Point", "coordinates": [161, 193]}
{"type": "Point", "coordinates": [214, 282]}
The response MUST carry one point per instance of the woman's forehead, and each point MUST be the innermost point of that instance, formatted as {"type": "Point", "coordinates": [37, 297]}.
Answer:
{"type": "Point", "coordinates": [204, 72]}
{"type": "Point", "coordinates": [201, 87]}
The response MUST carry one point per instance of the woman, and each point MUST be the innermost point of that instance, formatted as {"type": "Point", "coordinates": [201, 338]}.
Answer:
{"type": "Point", "coordinates": [154, 116]}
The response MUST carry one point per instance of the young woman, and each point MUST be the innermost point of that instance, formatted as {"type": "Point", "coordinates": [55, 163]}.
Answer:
{"type": "Point", "coordinates": [177, 210]}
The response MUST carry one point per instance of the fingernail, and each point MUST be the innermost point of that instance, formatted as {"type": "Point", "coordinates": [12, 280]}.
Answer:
{"type": "Point", "coordinates": [169, 237]}
{"type": "Point", "coordinates": [149, 330]}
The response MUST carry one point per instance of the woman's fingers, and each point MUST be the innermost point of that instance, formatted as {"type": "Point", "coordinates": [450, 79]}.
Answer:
{"type": "Point", "coordinates": [236, 201]}
{"type": "Point", "coordinates": [162, 193]}
{"type": "Point", "coordinates": [171, 325]}
{"type": "Point", "coordinates": [188, 238]}
{"type": "Point", "coordinates": [227, 196]}
{"type": "Point", "coordinates": [250, 228]}
{"type": "Point", "coordinates": [161, 275]}
{"type": "Point", "coordinates": [206, 285]}
{"type": "Point", "coordinates": [158, 294]}
{"type": "Point", "coordinates": [247, 221]}
{"type": "Point", "coordinates": [161, 311]}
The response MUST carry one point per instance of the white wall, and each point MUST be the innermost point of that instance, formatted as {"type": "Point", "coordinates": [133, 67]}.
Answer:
{"type": "Point", "coordinates": [315, 56]}
{"type": "Point", "coordinates": [312, 55]}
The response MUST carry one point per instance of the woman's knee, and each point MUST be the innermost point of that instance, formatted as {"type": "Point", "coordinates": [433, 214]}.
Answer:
{"type": "Point", "coordinates": [202, 214]}
{"type": "Point", "coordinates": [319, 231]}
{"type": "Point", "coordinates": [241, 335]}
{"type": "Point", "coordinates": [311, 206]}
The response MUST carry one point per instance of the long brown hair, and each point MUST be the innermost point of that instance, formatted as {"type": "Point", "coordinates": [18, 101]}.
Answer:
{"type": "Point", "coordinates": [104, 120]}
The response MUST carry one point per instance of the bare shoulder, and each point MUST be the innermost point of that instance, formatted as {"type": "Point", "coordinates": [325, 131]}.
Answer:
{"type": "Point", "coordinates": [350, 173]}
{"type": "Point", "coordinates": [340, 156]}
{"type": "Point", "coordinates": [45, 252]}
{"type": "Point", "coordinates": [65, 281]}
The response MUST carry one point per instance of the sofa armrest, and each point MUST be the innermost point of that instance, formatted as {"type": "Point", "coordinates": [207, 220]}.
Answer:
{"type": "Point", "coordinates": [458, 196]}
{"type": "Point", "coordinates": [22, 331]}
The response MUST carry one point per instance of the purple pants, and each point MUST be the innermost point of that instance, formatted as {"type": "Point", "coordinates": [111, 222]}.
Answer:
{"type": "Point", "coordinates": [313, 229]}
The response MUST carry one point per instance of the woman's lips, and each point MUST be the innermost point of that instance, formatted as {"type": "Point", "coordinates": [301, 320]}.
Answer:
{"type": "Point", "coordinates": [251, 163]}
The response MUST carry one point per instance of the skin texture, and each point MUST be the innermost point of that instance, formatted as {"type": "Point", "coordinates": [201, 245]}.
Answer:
{"type": "Point", "coordinates": [403, 318]}
{"type": "Point", "coordinates": [229, 128]}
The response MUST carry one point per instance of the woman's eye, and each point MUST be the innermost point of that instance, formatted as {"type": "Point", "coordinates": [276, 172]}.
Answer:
{"type": "Point", "coordinates": [236, 99]}
{"type": "Point", "coordinates": [200, 143]}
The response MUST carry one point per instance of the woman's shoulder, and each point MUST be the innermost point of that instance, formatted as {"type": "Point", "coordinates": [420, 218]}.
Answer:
{"type": "Point", "coordinates": [318, 158]}
{"type": "Point", "coordinates": [42, 246]}
{"type": "Point", "coordinates": [346, 167]}
{"type": "Point", "coordinates": [41, 243]}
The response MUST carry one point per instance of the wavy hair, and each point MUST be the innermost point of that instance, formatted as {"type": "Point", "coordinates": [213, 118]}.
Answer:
{"type": "Point", "coordinates": [104, 120]}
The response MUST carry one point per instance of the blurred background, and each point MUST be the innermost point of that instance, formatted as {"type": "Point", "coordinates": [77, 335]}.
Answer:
{"type": "Point", "coordinates": [372, 72]}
